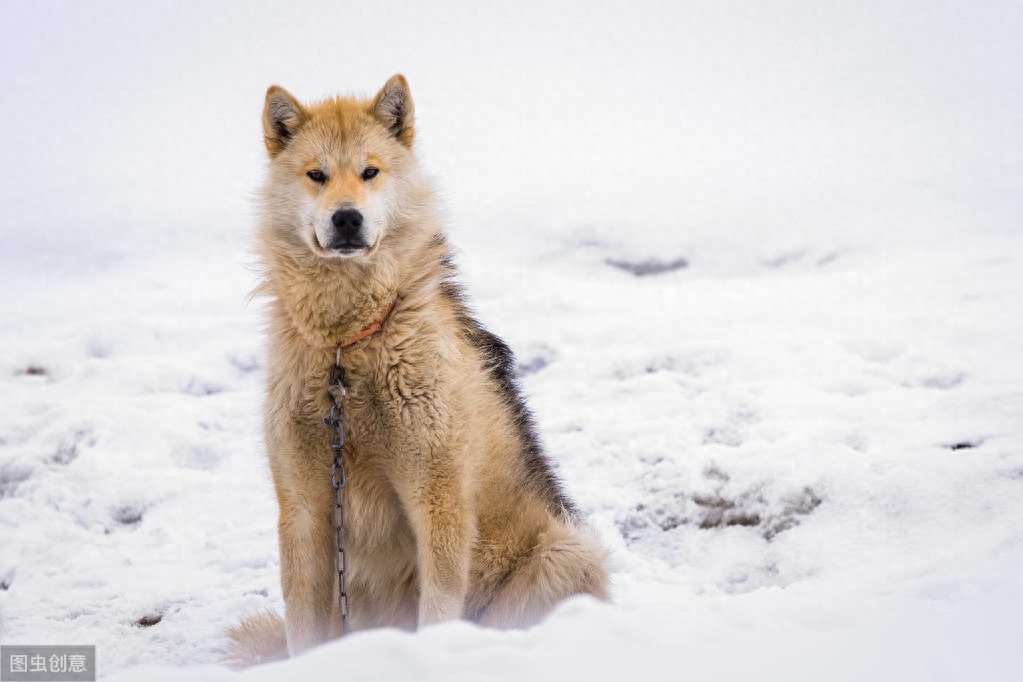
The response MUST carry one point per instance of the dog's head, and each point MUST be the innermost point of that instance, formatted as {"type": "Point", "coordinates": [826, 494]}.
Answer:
{"type": "Point", "coordinates": [336, 168]}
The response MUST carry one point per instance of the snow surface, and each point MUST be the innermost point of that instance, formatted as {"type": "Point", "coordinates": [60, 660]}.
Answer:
{"type": "Point", "coordinates": [761, 264]}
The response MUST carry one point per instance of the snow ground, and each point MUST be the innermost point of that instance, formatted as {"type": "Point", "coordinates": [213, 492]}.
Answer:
{"type": "Point", "coordinates": [803, 447]}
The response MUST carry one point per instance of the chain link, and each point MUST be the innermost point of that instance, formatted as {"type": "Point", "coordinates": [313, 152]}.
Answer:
{"type": "Point", "coordinates": [335, 420]}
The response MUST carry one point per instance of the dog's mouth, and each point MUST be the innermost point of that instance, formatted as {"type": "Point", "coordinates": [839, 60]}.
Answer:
{"type": "Point", "coordinates": [346, 250]}
{"type": "Point", "coordinates": [349, 250]}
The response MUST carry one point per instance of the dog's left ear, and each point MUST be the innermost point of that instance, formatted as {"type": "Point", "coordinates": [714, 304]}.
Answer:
{"type": "Point", "coordinates": [393, 107]}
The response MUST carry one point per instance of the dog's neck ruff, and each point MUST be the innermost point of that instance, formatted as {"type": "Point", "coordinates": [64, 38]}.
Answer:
{"type": "Point", "coordinates": [370, 330]}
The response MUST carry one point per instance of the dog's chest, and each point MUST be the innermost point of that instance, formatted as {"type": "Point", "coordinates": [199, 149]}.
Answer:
{"type": "Point", "coordinates": [375, 520]}
{"type": "Point", "coordinates": [373, 513]}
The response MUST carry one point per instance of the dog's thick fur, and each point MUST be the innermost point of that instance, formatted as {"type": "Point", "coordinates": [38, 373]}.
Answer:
{"type": "Point", "coordinates": [451, 507]}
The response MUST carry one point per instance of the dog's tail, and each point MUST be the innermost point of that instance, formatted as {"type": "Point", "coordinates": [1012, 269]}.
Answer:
{"type": "Point", "coordinates": [257, 639]}
{"type": "Point", "coordinates": [566, 561]}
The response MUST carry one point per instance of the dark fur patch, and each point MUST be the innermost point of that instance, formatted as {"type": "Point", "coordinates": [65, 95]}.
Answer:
{"type": "Point", "coordinates": [499, 361]}
{"type": "Point", "coordinates": [283, 134]}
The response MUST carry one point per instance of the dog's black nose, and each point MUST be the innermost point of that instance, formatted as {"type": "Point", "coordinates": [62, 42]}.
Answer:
{"type": "Point", "coordinates": [347, 220]}
{"type": "Point", "coordinates": [347, 228]}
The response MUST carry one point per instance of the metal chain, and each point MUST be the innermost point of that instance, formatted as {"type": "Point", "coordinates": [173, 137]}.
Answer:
{"type": "Point", "coordinates": [335, 420]}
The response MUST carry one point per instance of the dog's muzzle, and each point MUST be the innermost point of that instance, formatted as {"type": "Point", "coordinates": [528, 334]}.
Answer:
{"type": "Point", "coordinates": [348, 234]}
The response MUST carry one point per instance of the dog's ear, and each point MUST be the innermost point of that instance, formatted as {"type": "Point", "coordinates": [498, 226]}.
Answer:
{"type": "Point", "coordinates": [393, 107]}
{"type": "Point", "coordinates": [282, 117]}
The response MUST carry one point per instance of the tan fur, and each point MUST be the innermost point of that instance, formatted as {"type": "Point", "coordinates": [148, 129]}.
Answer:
{"type": "Point", "coordinates": [257, 639]}
{"type": "Point", "coordinates": [448, 513]}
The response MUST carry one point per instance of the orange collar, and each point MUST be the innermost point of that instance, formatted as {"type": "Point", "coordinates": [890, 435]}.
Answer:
{"type": "Point", "coordinates": [373, 327]}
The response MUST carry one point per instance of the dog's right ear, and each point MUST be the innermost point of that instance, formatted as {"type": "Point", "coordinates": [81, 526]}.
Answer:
{"type": "Point", "coordinates": [282, 117]}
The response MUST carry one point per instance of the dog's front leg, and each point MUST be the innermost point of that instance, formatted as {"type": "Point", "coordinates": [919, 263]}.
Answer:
{"type": "Point", "coordinates": [440, 515]}
{"type": "Point", "coordinates": [306, 533]}
{"type": "Point", "coordinates": [429, 473]}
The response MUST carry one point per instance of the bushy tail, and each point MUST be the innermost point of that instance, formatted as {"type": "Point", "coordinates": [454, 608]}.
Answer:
{"type": "Point", "coordinates": [257, 639]}
{"type": "Point", "coordinates": [566, 561]}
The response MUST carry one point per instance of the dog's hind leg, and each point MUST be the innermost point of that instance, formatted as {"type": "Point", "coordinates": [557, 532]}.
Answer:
{"type": "Point", "coordinates": [565, 562]}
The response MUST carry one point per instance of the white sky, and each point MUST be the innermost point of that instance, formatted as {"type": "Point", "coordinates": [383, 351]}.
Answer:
{"type": "Point", "coordinates": [126, 121]}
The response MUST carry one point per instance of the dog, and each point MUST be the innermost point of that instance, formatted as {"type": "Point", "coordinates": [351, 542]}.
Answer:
{"type": "Point", "coordinates": [452, 509]}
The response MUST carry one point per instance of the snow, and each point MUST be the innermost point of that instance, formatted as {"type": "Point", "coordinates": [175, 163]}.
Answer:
{"type": "Point", "coordinates": [761, 265]}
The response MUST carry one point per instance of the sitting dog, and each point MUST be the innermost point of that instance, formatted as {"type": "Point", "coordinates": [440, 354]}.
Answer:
{"type": "Point", "coordinates": [451, 507]}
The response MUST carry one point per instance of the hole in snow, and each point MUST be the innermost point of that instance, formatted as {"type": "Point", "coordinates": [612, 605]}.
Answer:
{"type": "Point", "coordinates": [200, 387]}
{"type": "Point", "coordinates": [719, 511]}
{"type": "Point", "coordinates": [531, 366]}
{"type": "Point", "coordinates": [716, 474]}
{"type": "Point", "coordinates": [964, 445]}
{"type": "Point", "coordinates": [11, 476]}
{"type": "Point", "coordinates": [537, 358]}
{"type": "Point", "coordinates": [725, 435]}
{"type": "Point", "coordinates": [828, 259]}
{"type": "Point", "coordinates": [70, 446]}
{"type": "Point", "coordinates": [783, 259]}
{"type": "Point", "coordinates": [148, 621]}
{"type": "Point", "coordinates": [648, 267]}
{"type": "Point", "coordinates": [245, 362]}
{"type": "Point", "coordinates": [717, 518]}
{"type": "Point", "coordinates": [795, 506]}
{"type": "Point", "coordinates": [127, 515]}
{"type": "Point", "coordinates": [943, 380]}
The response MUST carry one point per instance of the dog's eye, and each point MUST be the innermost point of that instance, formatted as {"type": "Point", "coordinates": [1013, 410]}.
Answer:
{"type": "Point", "coordinates": [316, 175]}
{"type": "Point", "coordinates": [370, 172]}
